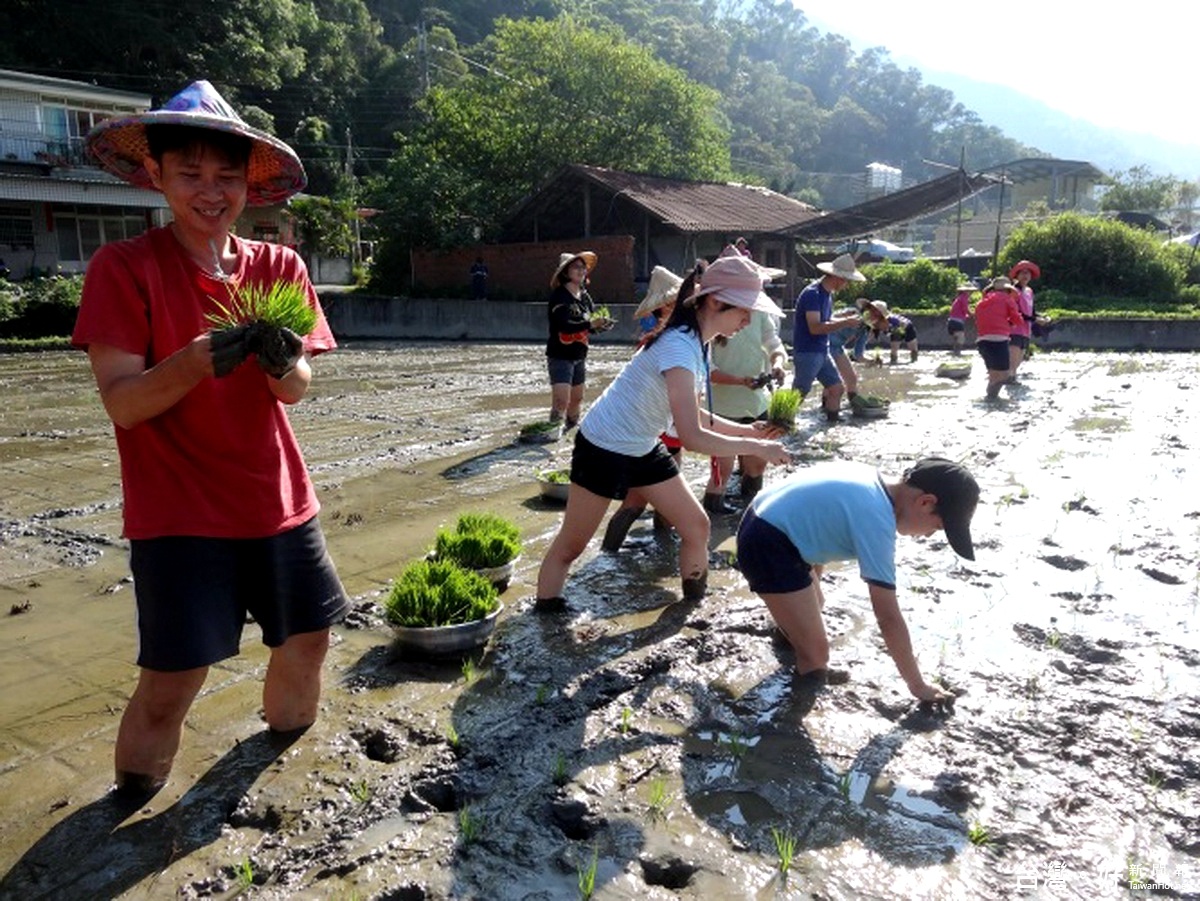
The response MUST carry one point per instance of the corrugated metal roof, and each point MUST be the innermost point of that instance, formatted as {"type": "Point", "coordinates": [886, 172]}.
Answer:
{"type": "Point", "coordinates": [698, 206]}
{"type": "Point", "coordinates": [688, 207]}
{"type": "Point", "coordinates": [100, 189]}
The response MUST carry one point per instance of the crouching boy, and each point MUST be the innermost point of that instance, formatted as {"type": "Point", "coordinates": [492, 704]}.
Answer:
{"type": "Point", "coordinates": [845, 511]}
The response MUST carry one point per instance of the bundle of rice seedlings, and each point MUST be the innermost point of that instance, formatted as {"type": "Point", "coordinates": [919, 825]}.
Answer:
{"type": "Point", "coordinates": [282, 304]}
{"type": "Point", "coordinates": [781, 410]}
{"type": "Point", "coordinates": [601, 312]}
{"type": "Point", "coordinates": [555, 476]}
{"type": "Point", "coordinates": [541, 428]}
{"type": "Point", "coordinates": [439, 593]}
{"type": "Point", "coordinates": [479, 541]}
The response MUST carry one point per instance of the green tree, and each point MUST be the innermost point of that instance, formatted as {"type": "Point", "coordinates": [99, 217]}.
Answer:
{"type": "Point", "coordinates": [1139, 190]}
{"type": "Point", "coordinates": [546, 93]}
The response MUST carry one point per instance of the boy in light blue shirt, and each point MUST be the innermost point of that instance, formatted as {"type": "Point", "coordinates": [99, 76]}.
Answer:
{"type": "Point", "coordinates": [846, 511]}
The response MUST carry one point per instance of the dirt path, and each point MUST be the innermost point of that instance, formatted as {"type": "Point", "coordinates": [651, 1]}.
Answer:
{"type": "Point", "coordinates": [665, 742]}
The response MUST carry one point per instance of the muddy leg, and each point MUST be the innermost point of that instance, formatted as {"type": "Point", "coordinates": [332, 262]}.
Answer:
{"type": "Point", "coordinates": [152, 725]}
{"type": "Point", "coordinates": [798, 615]}
{"type": "Point", "coordinates": [674, 499]}
{"type": "Point", "coordinates": [293, 684]}
{"type": "Point", "coordinates": [584, 512]}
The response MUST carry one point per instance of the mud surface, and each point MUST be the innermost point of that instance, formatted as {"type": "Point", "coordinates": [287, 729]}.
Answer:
{"type": "Point", "coordinates": [668, 743]}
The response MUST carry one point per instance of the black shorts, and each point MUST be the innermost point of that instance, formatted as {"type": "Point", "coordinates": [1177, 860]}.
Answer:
{"type": "Point", "coordinates": [768, 559]}
{"type": "Point", "coordinates": [193, 594]}
{"type": "Point", "coordinates": [905, 334]}
{"type": "Point", "coordinates": [994, 353]}
{"type": "Point", "coordinates": [1021, 341]}
{"type": "Point", "coordinates": [610, 474]}
{"type": "Point", "coordinates": [954, 326]}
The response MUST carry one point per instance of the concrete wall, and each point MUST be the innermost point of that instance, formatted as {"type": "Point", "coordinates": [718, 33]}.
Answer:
{"type": "Point", "coordinates": [359, 316]}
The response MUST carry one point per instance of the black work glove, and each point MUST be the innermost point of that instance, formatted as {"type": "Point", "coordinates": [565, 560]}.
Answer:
{"type": "Point", "coordinates": [278, 349]}
{"type": "Point", "coordinates": [229, 348]}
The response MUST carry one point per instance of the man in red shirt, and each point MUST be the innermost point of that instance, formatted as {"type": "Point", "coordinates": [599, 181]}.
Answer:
{"type": "Point", "coordinates": [219, 509]}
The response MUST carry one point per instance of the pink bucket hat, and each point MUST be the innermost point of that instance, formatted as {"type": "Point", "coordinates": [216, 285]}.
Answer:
{"type": "Point", "coordinates": [738, 281]}
{"type": "Point", "coordinates": [274, 172]}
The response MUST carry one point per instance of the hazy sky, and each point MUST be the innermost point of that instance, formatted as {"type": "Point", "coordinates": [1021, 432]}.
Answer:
{"type": "Point", "coordinates": [1134, 66]}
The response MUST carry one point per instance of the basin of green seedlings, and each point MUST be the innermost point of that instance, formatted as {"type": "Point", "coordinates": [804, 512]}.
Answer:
{"type": "Point", "coordinates": [482, 542]}
{"type": "Point", "coordinates": [545, 432]}
{"type": "Point", "coordinates": [870, 406]}
{"type": "Point", "coordinates": [281, 304]}
{"type": "Point", "coordinates": [554, 483]}
{"type": "Point", "coordinates": [781, 409]}
{"type": "Point", "coordinates": [954, 369]}
{"type": "Point", "coordinates": [437, 607]}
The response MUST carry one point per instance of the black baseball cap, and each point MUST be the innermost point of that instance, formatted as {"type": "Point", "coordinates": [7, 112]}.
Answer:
{"type": "Point", "coordinates": [957, 493]}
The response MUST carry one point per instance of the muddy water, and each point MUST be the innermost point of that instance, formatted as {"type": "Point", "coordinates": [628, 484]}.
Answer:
{"type": "Point", "coordinates": [667, 743]}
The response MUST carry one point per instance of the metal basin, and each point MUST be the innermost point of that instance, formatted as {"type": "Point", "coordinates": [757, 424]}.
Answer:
{"type": "Point", "coordinates": [436, 640]}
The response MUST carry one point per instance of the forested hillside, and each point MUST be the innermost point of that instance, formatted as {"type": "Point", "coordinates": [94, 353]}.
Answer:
{"type": "Point", "coordinates": [446, 113]}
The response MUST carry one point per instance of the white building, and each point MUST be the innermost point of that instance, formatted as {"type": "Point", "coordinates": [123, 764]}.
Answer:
{"type": "Point", "coordinates": [57, 206]}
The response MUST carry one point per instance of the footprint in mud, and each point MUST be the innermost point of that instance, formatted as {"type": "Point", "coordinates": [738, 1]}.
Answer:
{"type": "Point", "coordinates": [1102, 650]}
{"type": "Point", "coordinates": [1072, 564]}
{"type": "Point", "coordinates": [1159, 576]}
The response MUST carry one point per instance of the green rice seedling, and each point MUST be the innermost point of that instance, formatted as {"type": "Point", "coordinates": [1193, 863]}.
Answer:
{"type": "Point", "coordinates": [543, 692]}
{"type": "Point", "coordinates": [626, 720]}
{"type": "Point", "coordinates": [556, 476]}
{"type": "Point", "coordinates": [587, 876]}
{"type": "Point", "coordinates": [781, 409]}
{"type": "Point", "coordinates": [452, 737]}
{"type": "Point", "coordinates": [470, 826]}
{"type": "Point", "coordinates": [479, 541]}
{"type": "Point", "coordinates": [843, 785]}
{"type": "Point", "coordinates": [601, 312]}
{"type": "Point", "coordinates": [439, 593]}
{"type": "Point", "coordinates": [282, 304]}
{"type": "Point", "coordinates": [559, 774]}
{"type": "Point", "coordinates": [360, 791]}
{"type": "Point", "coordinates": [469, 670]}
{"type": "Point", "coordinates": [735, 744]}
{"type": "Point", "coordinates": [243, 872]}
{"type": "Point", "coordinates": [785, 850]}
{"type": "Point", "coordinates": [659, 798]}
{"type": "Point", "coordinates": [978, 835]}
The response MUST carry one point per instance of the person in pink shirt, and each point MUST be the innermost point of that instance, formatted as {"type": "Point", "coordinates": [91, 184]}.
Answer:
{"type": "Point", "coordinates": [960, 312]}
{"type": "Point", "coordinates": [996, 315]}
{"type": "Point", "coordinates": [1022, 274]}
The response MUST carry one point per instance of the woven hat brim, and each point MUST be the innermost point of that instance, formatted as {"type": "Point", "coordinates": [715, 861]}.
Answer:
{"type": "Point", "coordinates": [274, 172]}
{"type": "Point", "coordinates": [588, 258]}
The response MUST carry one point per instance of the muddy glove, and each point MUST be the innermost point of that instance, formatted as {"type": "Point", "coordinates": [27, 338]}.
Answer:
{"type": "Point", "coordinates": [229, 349]}
{"type": "Point", "coordinates": [277, 349]}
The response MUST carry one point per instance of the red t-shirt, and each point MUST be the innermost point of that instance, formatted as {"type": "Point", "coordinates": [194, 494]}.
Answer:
{"type": "Point", "coordinates": [997, 314]}
{"type": "Point", "coordinates": [223, 461]}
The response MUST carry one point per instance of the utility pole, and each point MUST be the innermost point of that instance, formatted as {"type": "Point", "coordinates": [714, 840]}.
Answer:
{"type": "Point", "coordinates": [999, 217]}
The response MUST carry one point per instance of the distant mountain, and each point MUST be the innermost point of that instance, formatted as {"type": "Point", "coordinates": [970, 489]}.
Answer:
{"type": "Point", "coordinates": [1032, 122]}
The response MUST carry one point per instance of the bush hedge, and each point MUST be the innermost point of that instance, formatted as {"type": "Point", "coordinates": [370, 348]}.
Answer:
{"type": "Point", "coordinates": [39, 307]}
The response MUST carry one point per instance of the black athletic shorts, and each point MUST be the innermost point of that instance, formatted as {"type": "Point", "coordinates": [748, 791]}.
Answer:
{"type": "Point", "coordinates": [193, 594]}
{"type": "Point", "coordinates": [994, 353]}
{"type": "Point", "coordinates": [768, 559]}
{"type": "Point", "coordinates": [610, 474]}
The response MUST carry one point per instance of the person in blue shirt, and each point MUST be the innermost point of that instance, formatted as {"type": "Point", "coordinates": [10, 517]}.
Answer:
{"type": "Point", "coordinates": [814, 323]}
{"type": "Point", "coordinates": [846, 511]}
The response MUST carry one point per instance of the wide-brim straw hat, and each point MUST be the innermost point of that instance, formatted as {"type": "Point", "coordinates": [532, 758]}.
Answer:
{"type": "Point", "coordinates": [274, 172]}
{"type": "Point", "coordinates": [1033, 268]}
{"type": "Point", "coordinates": [662, 289]}
{"type": "Point", "coordinates": [564, 260]}
{"type": "Point", "coordinates": [738, 281]}
{"type": "Point", "coordinates": [1001, 283]}
{"type": "Point", "coordinates": [880, 308]}
{"type": "Point", "coordinates": [843, 267]}
{"type": "Point", "coordinates": [966, 286]}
